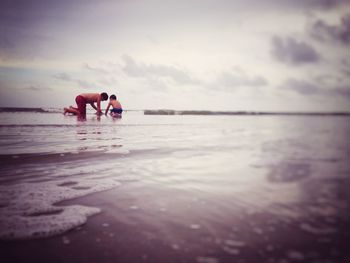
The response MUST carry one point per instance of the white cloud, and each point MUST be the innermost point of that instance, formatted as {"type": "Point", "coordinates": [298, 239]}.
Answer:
{"type": "Point", "coordinates": [178, 75]}
{"type": "Point", "coordinates": [82, 83]}
{"type": "Point", "coordinates": [237, 78]}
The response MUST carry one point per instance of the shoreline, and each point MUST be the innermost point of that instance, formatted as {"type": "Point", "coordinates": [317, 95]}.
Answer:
{"type": "Point", "coordinates": [132, 229]}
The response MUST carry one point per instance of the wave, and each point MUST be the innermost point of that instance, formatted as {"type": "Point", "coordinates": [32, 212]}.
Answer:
{"type": "Point", "coordinates": [48, 110]}
{"type": "Point", "coordinates": [191, 112]}
{"type": "Point", "coordinates": [185, 112]}
{"type": "Point", "coordinates": [21, 109]}
{"type": "Point", "coordinates": [34, 110]}
{"type": "Point", "coordinates": [27, 208]}
{"type": "Point", "coordinates": [58, 157]}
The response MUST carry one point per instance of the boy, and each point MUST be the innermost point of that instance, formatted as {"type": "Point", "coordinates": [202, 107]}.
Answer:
{"type": "Point", "coordinates": [85, 98]}
{"type": "Point", "coordinates": [116, 110]}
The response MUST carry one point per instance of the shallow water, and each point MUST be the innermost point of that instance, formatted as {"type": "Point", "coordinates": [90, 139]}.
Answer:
{"type": "Point", "coordinates": [231, 180]}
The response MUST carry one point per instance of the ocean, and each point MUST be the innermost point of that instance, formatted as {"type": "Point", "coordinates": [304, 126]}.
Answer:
{"type": "Point", "coordinates": [175, 188]}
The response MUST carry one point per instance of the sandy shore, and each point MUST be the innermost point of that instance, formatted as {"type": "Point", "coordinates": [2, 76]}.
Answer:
{"type": "Point", "coordinates": [150, 223]}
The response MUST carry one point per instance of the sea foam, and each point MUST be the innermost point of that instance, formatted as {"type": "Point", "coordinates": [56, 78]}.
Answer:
{"type": "Point", "coordinates": [28, 210]}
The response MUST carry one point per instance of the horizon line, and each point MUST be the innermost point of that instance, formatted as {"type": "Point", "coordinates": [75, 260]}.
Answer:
{"type": "Point", "coordinates": [193, 112]}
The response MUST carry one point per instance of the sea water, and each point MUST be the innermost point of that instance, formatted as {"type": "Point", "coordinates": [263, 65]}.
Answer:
{"type": "Point", "coordinates": [293, 168]}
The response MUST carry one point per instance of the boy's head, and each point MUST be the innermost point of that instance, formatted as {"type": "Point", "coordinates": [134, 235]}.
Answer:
{"type": "Point", "coordinates": [104, 96]}
{"type": "Point", "coordinates": [113, 97]}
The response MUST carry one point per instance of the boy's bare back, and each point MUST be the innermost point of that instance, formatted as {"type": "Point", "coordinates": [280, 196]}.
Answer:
{"type": "Point", "coordinates": [115, 104]}
{"type": "Point", "coordinates": [91, 97]}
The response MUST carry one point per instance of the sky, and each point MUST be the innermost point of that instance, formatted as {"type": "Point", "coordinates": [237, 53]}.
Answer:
{"type": "Point", "coordinates": [252, 55]}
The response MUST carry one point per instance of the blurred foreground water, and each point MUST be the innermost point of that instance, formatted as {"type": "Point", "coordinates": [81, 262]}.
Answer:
{"type": "Point", "coordinates": [273, 188]}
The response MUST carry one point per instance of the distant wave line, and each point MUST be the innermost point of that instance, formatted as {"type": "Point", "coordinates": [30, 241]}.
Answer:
{"type": "Point", "coordinates": [40, 110]}
{"type": "Point", "coordinates": [21, 109]}
{"type": "Point", "coordinates": [186, 112]}
{"type": "Point", "coordinates": [83, 125]}
{"type": "Point", "coordinates": [249, 113]}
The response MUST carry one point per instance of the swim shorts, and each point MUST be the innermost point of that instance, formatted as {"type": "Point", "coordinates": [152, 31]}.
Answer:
{"type": "Point", "coordinates": [115, 110]}
{"type": "Point", "coordinates": [81, 102]}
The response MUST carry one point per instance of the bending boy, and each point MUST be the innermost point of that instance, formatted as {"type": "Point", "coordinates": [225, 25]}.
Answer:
{"type": "Point", "coordinates": [87, 98]}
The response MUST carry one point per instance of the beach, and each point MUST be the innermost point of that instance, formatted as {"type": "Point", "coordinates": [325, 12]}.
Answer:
{"type": "Point", "coordinates": [178, 188]}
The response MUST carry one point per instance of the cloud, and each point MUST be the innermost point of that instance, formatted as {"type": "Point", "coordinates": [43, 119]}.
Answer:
{"type": "Point", "coordinates": [345, 66]}
{"type": "Point", "coordinates": [340, 33]}
{"type": "Point", "coordinates": [108, 81]}
{"type": "Point", "coordinates": [308, 88]}
{"type": "Point", "coordinates": [142, 70]}
{"type": "Point", "coordinates": [5, 43]}
{"type": "Point", "coordinates": [238, 78]}
{"type": "Point", "coordinates": [343, 91]}
{"type": "Point", "coordinates": [99, 70]}
{"type": "Point", "coordinates": [63, 76]}
{"type": "Point", "coordinates": [293, 52]}
{"type": "Point", "coordinates": [325, 4]}
{"type": "Point", "coordinates": [301, 87]}
{"type": "Point", "coordinates": [38, 88]}
{"type": "Point", "coordinates": [81, 83]}
{"type": "Point", "coordinates": [19, 23]}
{"type": "Point", "coordinates": [28, 28]}
{"type": "Point", "coordinates": [160, 77]}
{"type": "Point", "coordinates": [300, 4]}
{"type": "Point", "coordinates": [20, 43]}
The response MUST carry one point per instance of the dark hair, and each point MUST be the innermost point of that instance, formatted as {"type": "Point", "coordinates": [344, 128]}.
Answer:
{"type": "Point", "coordinates": [113, 97]}
{"type": "Point", "coordinates": [104, 96]}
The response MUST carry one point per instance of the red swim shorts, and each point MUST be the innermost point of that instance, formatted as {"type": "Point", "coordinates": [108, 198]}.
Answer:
{"type": "Point", "coordinates": [81, 102]}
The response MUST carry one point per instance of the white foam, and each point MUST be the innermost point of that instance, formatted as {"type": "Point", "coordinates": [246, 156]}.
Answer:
{"type": "Point", "coordinates": [195, 226]}
{"type": "Point", "coordinates": [28, 209]}
{"type": "Point", "coordinates": [207, 260]}
{"type": "Point", "coordinates": [318, 229]}
{"type": "Point", "coordinates": [235, 243]}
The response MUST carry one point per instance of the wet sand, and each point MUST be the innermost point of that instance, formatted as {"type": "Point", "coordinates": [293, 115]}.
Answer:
{"type": "Point", "coordinates": [151, 223]}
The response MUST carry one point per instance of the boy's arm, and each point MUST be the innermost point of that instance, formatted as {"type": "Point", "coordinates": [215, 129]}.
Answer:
{"type": "Point", "coordinates": [99, 104]}
{"type": "Point", "coordinates": [93, 105]}
{"type": "Point", "coordinates": [109, 104]}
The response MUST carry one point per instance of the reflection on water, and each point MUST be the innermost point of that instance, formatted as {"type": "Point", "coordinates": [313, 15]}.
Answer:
{"type": "Point", "coordinates": [217, 188]}
{"type": "Point", "coordinates": [289, 172]}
